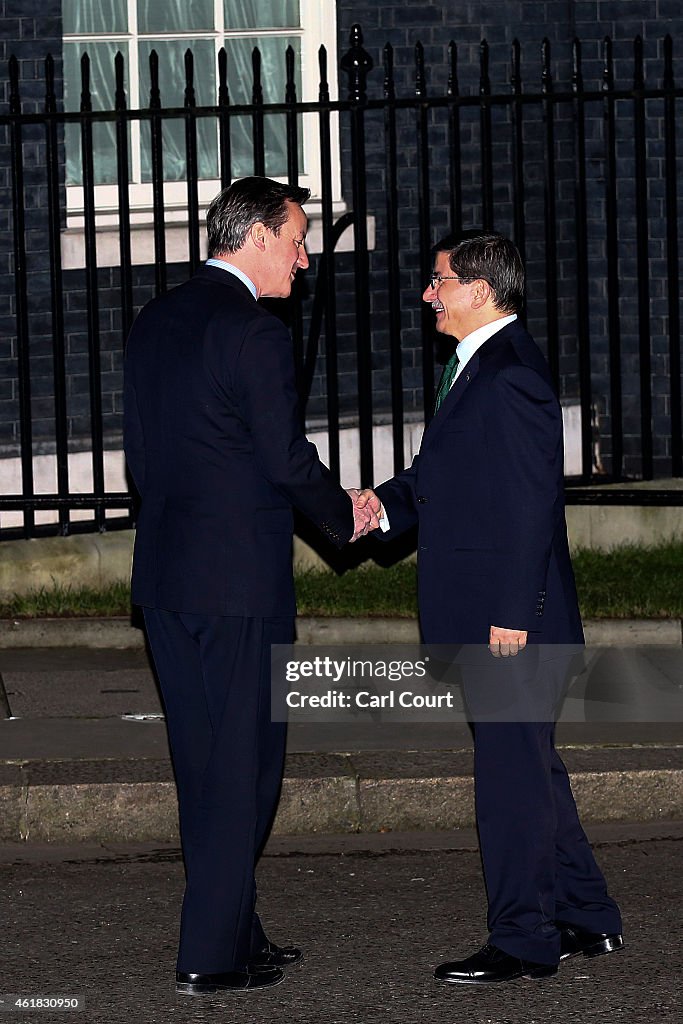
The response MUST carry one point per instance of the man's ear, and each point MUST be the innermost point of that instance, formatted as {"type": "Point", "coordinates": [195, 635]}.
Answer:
{"type": "Point", "coordinates": [481, 293]}
{"type": "Point", "coordinates": [257, 234]}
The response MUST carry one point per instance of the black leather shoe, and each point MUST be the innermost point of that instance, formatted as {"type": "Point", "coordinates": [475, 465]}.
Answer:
{"type": "Point", "coordinates": [490, 965]}
{"type": "Point", "coordinates": [275, 956]}
{"type": "Point", "coordinates": [574, 940]}
{"type": "Point", "coordinates": [229, 981]}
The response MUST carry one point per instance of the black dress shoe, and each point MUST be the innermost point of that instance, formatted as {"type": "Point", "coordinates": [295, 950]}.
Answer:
{"type": "Point", "coordinates": [275, 956]}
{"type": "Point", "coordinates": [228, 981]}
{"type": "Point", "coordinates": [490, 965]}
{"type": "Point", "coordinates": [574, 940]}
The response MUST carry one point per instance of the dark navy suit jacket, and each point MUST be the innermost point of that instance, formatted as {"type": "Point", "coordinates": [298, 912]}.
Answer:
{"type": "Point", "coordinates": [487, 492]}
{"type": "Point", "coordinates": [214, 445]}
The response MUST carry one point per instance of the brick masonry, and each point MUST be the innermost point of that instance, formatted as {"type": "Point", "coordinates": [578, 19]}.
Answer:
{"type": "Point", "coordinates": [435, 24]}
{"type": "Point", "coordinates": [30, 29]}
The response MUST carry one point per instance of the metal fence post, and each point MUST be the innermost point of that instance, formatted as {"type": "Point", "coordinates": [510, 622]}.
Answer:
{"type": "Point", "coordinates": [357, 63]}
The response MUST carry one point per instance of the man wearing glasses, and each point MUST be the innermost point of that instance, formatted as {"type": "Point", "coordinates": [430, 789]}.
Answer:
{"type": "Point", "coordinates": [487, 493]}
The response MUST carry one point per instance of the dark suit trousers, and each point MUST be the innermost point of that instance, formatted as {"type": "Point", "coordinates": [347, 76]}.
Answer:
{"type": "Point", "coordinates": [538, 864]}
{"type": "Point", "coordinates": [228, 757]}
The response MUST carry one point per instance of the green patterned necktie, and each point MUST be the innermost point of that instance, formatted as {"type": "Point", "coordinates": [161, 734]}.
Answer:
{"type": "Point", "coordinates": [447, 378]}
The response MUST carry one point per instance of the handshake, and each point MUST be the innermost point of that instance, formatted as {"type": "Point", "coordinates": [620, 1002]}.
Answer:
{"type": "Point", "coordinates": [367, 511]}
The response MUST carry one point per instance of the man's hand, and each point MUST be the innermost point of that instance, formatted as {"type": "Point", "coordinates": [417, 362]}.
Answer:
{"type": "Point", "coordinates": [368, 499]}
{"type": "Point", "coordinates": [366, 505]}
{"type": "Point", "coordinates": [506, 643]}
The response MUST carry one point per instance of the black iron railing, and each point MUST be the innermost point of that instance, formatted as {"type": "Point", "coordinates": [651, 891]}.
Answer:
{"type": "Point", "coordinates": [496, 160]}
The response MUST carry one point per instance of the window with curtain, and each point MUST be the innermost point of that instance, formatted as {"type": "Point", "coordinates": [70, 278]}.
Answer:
{"type": "Point", "coordinates": [100, 28]}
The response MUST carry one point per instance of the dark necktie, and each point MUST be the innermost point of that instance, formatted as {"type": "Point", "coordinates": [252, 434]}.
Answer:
{"type": "Point", "coordinates": [447, 378]}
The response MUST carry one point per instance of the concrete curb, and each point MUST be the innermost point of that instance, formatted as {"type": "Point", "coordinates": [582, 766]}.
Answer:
{"type": "Point", "coordinates": [338, 794]}
{"type": "Point", "coordinates": [115, 793]}
{"type": "Point", "coordinates": [147, 811]}
{"type": "Point", "coordinates": [119, 633]}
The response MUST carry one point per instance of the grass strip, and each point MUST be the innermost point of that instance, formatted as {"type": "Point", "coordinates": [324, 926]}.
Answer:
{"type": "Point", "coordinates": [627, 582]}
{"type": "Point", "coordinates": [60, 601]}
{"type": "Point", "coordinates": [631, 582]}
{"type": "Point", "coordinates": [367, 590]}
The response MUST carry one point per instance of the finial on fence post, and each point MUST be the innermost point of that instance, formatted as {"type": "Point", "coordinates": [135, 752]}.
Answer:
{"type": "Point", "coordinates": [50, 95]}
{"type": "Point", "coordinates": [638, 63]}
{"type": "Point", "coordinates": [608, 67]}
{"type": "Point", "coordinates": [86, 98]}
{"type": "Point", "coordinates": [420, 76]}
{"type": "Point", "coordinates": [577, 73]}
{"type": "Point", "coordinates": [453, 87]}
{"type": "Point", "coordinates": [14, 98]}
{"type": "Point", "coordinates": [154, 91]}
{"type": "Point", "coordinates": [324, 87]}
{"type": "Point", "coordinates": [484, 80]}
{"type": "Point", "coordinates": [546, 74]}
{"type": "Point", "coordinates": [516, 67]}
{"type": "Point", "coordinates": [223, 93]}
{"type": "Point", "coordinates": [357, 63]}
{"type": "Point", "coordinates": [190, 99]}
{"type": "Point", "coordinates": [290, 88]}
{"type": "Point", "coordinates": [388, 58]}
{"type": "Point", "coordinates": [119, 75]}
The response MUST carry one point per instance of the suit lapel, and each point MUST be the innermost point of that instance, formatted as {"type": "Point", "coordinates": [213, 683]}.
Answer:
{"type": "Point", "coordinates": [452, 398]}
{"type": "Point", "coordinates": [468, 374]}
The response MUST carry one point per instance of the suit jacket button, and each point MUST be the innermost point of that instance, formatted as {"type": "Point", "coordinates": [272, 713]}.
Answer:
{"type": "Point", "coordinates": [421, 500]}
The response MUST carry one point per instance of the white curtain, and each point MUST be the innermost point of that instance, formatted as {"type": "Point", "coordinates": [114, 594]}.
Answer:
{"type": "Point", "coordinates": [261, 14]}
{"type": "Point", "coordinates": [102, 95]}
{"type": "Point", "coordinates": [172, 87]}
{"type": "Point", "coordinates": [273, 79]}
{"type": "Point", "coordinates": [85, 16]}
{"type": "Point", "coordinates": [175, 15]}
{"type": "Point", "coordinates": [110, 16]}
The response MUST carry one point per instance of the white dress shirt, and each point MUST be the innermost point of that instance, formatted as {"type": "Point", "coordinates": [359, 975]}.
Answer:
{"type": "Point", "coordinates": [224, 265]}
{"type": "Point", "coordinates": [466, 349]}
{"type": "Point", "coordinates": [471, 342]}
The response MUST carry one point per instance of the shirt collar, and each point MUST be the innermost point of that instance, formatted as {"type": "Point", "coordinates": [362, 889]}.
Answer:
{"type": "Point", "coordinates": [471, 342]}
{"type": "Point", "coordinates": [239, 274]}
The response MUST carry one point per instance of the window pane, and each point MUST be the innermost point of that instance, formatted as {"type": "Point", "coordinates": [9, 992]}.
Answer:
{"type": "Point", "coordinates": [273, 67]}
{"type": "Point", "coordinates": [273, 79]}
{"type": "Point", "coordinates": [102, 91]}
{"type": "Point", "coordinates": [172, 87]}
{"type": "Point", "coordinates": [261, 14]}
{"type": "Point", "coordinates": [87, 16]}
{"type": "Point", "coordinates": [175, 15]}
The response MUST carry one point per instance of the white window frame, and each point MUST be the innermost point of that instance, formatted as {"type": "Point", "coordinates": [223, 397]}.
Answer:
{"type": "Point", "coordinates": [318, 21]}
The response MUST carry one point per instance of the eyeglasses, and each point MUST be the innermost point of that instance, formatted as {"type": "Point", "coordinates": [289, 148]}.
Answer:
{"type": "Point", "coordinates": [436, 280]}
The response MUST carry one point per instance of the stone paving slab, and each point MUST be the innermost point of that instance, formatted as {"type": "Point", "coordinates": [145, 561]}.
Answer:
{"type": "Point", "coordinates": [374, 915]}
{"type": "Point", "coordinates": [72, 770]}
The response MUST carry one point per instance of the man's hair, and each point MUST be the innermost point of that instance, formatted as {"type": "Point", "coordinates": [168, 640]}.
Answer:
{"type": "Point", "coordinates": [491, 258]}
{"type": "Point", "coordinates": [241, 205]}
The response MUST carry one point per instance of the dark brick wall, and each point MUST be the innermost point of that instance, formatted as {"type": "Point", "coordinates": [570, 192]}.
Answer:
{"type": "Point", "coordinates": [435, 24]}
{"type": "Point", "coordinates": [402, 23]}
{"type": "Point", "coordinates": [29, 30]}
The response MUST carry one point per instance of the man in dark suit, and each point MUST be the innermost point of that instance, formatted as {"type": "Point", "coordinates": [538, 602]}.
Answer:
{"type": "Point", "coordinates": [487, 493]}
{"type": "Point", "coordinates": [213, 442]}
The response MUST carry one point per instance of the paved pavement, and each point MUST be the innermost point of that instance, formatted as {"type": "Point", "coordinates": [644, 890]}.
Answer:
{"type": "Point", "coordinates": [374, 914]}
{"type": "Point", "coordinates": [84, 756]}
